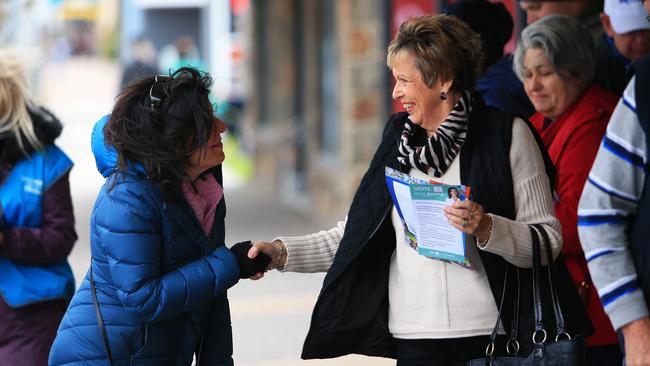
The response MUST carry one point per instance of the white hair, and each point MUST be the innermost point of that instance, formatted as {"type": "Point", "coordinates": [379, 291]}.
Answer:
{"type": "Point", "coordinates": [566, 43]}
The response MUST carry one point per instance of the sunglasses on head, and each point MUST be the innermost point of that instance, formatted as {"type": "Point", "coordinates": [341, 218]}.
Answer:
{"type": "Point", "coordinates": [156, 92]}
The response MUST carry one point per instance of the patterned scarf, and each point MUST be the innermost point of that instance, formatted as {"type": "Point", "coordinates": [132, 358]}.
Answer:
{"type": "Point", "coordinates": [435, 157]}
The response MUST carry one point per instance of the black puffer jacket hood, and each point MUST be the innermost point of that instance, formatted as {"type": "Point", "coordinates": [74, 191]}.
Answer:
{"type": "Point", "coordinates": [46, 127]}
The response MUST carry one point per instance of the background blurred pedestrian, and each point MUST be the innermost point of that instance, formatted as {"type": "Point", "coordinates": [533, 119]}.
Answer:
{"type": "Point", "coordinates": [586, 12]}
{"type": "Point", "coordinates": [626, 39]}
{"type": "Point", "coordinates": [182, 53]}
{"type": "Point", "coordinates": [496, 82]}
{"type": "Point", "coordinates": [142, 64]}
{"type": "Point", "coordinates": [37, 232]}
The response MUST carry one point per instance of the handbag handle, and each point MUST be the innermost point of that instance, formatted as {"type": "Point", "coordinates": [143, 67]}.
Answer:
{"type": "Point", "coordinates": [553, 283]}
{"type": "Point", "coordinates": [512, 346]}
{"type": "Point", "coordinates": [537, 294]}
{"type": "Point", "coordinates": [100, 319]}
{"type": "Point", "coordinates": [539, 331]}
{"type": "Point", "coordinates": [514, 324]}
{"type": "Point", "coordinates": [489, 350]}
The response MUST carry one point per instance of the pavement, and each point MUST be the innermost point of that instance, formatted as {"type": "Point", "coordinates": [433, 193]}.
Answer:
{"type": "Point", "coordinates": [270, 317]}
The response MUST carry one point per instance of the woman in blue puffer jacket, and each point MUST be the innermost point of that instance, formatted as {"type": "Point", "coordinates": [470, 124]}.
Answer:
{"type": "Point", "coordinates": [155, 293]}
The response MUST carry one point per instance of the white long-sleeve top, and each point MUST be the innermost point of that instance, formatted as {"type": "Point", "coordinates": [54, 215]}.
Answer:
{"type": "Point", "coordinates": [434, 299]}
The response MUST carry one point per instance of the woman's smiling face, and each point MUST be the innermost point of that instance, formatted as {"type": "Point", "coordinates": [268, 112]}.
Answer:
{"type": "Point", "coordinates": [421, 102]}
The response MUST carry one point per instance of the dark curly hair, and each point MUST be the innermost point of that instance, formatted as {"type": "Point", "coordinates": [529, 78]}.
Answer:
{"type": "Point", "coordinates": [162, 137]}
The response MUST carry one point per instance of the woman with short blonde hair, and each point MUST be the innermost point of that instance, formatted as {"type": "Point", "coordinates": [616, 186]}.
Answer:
{"type": "Point", "coordinates": [380, 296]}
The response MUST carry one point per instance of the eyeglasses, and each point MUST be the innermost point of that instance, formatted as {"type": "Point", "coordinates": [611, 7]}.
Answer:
{"type": "Point", "coordinates": [156, 93]}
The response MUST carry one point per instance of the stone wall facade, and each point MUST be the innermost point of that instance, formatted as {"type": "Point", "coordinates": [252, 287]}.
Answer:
{"type": "Point", "coordinates": [290, 70]}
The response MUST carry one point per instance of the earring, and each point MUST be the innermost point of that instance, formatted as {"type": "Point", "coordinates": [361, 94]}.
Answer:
{"type": "Point", "coordinates": [443, 95]}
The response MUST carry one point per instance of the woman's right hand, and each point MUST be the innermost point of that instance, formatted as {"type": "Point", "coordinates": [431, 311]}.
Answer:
{"type": "Point", "coordinates": [276, 250]}
{"type": "Point", "coordinates": [470, 218]}
{"type": "Point", "coordinates": [248, 266]}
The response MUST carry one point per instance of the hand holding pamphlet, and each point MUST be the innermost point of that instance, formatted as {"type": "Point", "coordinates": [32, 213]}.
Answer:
{"type": "Point", "coordinates": [420, 205]}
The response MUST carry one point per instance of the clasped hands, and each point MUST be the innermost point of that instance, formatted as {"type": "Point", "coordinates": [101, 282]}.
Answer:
{"type": "Point", "coordinates": [256, 259]}
{"type": "Point", "coordinates": [249, 266]}
{"type": "Point", "coordinates": [276, 253]}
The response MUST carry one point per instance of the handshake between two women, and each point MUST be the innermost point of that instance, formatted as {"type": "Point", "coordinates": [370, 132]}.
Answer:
{"type": "Point", "coordinates": [251, 266]}
{"type": "Point", "coordinates": [273, 255]}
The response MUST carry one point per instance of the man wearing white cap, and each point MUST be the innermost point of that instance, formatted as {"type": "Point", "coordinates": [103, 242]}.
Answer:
{"type": "Point", "coordinates": [627, 39]}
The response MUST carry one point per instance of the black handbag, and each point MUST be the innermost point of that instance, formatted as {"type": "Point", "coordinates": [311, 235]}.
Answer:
{"type": "Point", "coordinates": [563, 350]}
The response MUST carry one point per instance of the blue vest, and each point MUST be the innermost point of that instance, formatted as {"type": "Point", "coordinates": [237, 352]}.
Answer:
{"type": "Point", "coordinates": [21, 196]}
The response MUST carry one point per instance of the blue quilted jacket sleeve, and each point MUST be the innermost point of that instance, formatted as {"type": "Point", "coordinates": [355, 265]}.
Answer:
{"type": "Point", "coordinates": [129, 223]}
{"type": "Point", "coordinates": [217, 343]}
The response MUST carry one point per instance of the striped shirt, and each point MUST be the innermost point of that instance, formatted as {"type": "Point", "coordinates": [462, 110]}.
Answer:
{"type": "Point", "coordinates": [607, 208]}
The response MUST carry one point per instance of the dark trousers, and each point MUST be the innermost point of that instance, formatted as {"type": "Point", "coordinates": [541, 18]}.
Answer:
{"type": "Point", "coordinates": [607, 355]}
{"type": "Point", "coordinates": [27, 333]}
{"type": "Point", "coordinates": [444, 352]}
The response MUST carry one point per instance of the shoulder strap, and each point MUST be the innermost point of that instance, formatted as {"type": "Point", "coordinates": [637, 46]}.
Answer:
{"type": "Point", "coordinates": [553, 283]}
{"type": "Point", "coordinates": [100, 319]}
{"type": "Point", "coordinates": [200, 350]}
{"type": "Point", "coordinates": [512, 346]}
{"type": "Point", "coordinates": [537, 293]}
{"type": "Point", "coordinates": [489, 351]}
